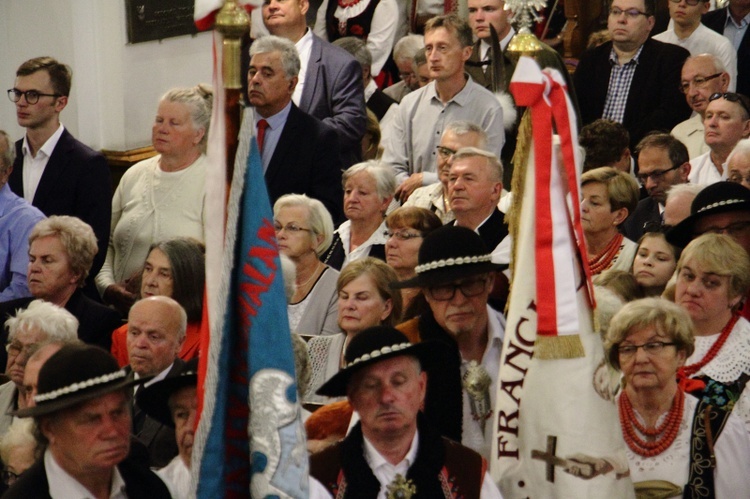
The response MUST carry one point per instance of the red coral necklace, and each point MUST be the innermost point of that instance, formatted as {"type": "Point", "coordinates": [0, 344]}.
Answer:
{"type": "Point", "coordinates": [668, 429]}
{"type": "Point", "coordinates": [603, 260]}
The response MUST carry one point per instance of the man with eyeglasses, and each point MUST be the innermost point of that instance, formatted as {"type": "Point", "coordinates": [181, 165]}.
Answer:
{"type": "Point", "coordinates": [632, 79]}
{"type": "Point", "coordinates": [456, 273]}
{"type": "Point", "coordinates": [702, 76]}
{"type": "Point", "coordinates": [53, 171]}
{"type": "Point", "coordinates": [726, 122]}
{"type": "Point", "coordinates": [690, 34]}
{"type": "Point", "coordinates": [732, 22]}
{"type": "Point", "coordinates": [30, 328]}
{"type": "Point", "coordinates": [411, 138]}
{"type": "Point", "coordinates": [403, 55]}
{"type": "Point", "coordinates": [434, 197]}
{"type": "Point", "coordinates": [662, 163]}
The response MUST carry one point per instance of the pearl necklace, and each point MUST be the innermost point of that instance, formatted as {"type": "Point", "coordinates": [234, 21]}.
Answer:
{"type": "Point", "coordinates": [603, 260]}
{"type": "Point", "coordinates": [668, 429]}
{"type": "Point", "coordinates": [314, 272]}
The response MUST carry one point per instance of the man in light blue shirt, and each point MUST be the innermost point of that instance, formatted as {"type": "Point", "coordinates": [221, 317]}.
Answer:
{"type": "Point", "coordinates": [17, 218]}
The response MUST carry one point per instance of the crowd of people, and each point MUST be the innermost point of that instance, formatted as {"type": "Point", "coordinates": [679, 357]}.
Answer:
{"type": "Point", "coordinates": [387, 135]}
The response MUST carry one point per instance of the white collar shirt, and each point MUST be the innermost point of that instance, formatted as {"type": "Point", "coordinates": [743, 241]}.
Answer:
{"type": "Point", "coordinates": [304, 49]}
{"type": "Point", "coordinates": [386, 472]}
{"type": "Point", "coordinates": [472, 435]}
{"type": "Point", "coordinates": [63, 486]}
{"type": "Point", "coordinates": [33, 166]}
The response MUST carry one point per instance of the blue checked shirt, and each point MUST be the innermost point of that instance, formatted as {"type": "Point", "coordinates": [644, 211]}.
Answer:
{"type": "Point", "coordinates": [619, 86]}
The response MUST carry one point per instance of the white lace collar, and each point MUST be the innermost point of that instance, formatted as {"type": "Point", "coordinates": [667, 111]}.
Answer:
{"type": "Point", "coordinates": [732, 360]}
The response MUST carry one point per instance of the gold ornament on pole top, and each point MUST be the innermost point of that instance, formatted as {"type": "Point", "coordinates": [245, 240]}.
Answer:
{"type": "Point", "coordinates": [523, 15]}
{"type": "Point", "coordinates": [232, 21]}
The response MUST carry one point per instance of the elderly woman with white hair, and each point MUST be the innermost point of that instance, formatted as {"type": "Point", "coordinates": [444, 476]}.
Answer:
{"type": "Point", "coordinates": [738, 163]}
{"type": "Point", "coordinates": [304, 229]}
{"type": "Point", "coordinates": [61, 252]}
{"type": "Point", "coordinates": [159, 198]}
{"type": "Point", "coordinates": [18, 449]}
{"type": "Point", "coordinates": [368, 191]}
{"type": "Point", "coordinates": [40, 323]}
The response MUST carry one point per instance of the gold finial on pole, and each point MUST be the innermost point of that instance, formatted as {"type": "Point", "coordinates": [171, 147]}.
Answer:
{"type": "Point", "coordinates": [232, 22]}
{"type": "Point", "coordinates": [523, 14]}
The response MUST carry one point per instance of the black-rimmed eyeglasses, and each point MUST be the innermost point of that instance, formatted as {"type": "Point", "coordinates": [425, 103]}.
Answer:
{"type": "Point", "coordinates": [32, 96]}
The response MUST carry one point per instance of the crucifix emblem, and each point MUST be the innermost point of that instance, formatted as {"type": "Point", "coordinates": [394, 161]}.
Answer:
{"type": "Point", "coordinates": [585, 467]}
{"type": "Point", "coordinates": [548, 457]}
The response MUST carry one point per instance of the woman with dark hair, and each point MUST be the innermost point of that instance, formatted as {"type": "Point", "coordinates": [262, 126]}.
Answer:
{"type": "Point", "coordinates": [173, 268]}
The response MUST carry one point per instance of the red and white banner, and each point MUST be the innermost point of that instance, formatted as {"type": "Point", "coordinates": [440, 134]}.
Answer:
{"type": "Point", "coordinates": [556, 429]}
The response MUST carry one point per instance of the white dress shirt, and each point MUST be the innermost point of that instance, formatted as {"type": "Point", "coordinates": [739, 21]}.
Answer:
{"type": "Point", "coordinates": [63, 486]}
{"type": "Point", "coordinates": [304, 48]}
{"type": "Point", "coordinates": [33, 166]}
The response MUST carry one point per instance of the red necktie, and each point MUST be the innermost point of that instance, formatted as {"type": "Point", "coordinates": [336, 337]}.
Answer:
{"type": "Point", "coordinates": [262, 125]}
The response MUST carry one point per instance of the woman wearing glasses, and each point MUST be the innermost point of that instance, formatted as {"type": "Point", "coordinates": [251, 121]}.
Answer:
{"type": "Point", "coordinates": [304, 229]}
{"type": "Point", "coordinates": [609, 196]}
{"type": "Point", "coordinates": [161, 197]}
{"type": "Point", "coordinates": [675, 442]}
{"type": "Point", "coordinates": [368, 190]}
{"type": "Point", "coordinates": [726, 122]}
{"type": "Point", "coordinates": [407, 227]}
{"type": "Point", "coordinates": [713, 275]}
{"type": "Point", "coordinates": [365, 299]}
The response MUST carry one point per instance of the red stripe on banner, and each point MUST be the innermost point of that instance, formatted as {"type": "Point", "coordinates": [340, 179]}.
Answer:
{"type": "Point", "coordinates": [531, 95]}
{"type": "Point", "coordinates": [562, 122]}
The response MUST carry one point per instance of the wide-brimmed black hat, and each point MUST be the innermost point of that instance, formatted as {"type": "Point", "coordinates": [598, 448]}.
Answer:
{"type": "Point", "coordinates": [719, 197]}
{"type": "Point", "coordinates": [76, 374]}
{"type": "Point", "coordinates": [154, 399]}
{"type": "Point", "coordinates": [447, 254]}
{"type": "Point", "coordinates": [373, 345]}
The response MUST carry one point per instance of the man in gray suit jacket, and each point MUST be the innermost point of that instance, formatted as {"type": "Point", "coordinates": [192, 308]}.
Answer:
{"type": "Point", "coordinates": [330, 80]}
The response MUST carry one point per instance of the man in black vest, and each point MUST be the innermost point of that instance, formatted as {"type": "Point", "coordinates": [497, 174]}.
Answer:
{"type": "Point", "coordinates": [83, 417]}
{"type": "Point", "coordinates": [393, 448]}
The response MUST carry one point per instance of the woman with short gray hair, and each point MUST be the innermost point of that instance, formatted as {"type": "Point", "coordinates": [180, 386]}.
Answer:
{"type": "Point", "coordinates": [368, 191]}
{"type": "Point", "coordinates": [304, 230]}
{"type": "Point", "coordinates": [161, 197]}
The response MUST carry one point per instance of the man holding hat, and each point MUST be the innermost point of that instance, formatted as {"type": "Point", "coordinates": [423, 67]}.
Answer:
{"type": "Point", "coordinates": [456, 275]}
{"type": "Point", "coordinates": [83, 417]}
{"type": "Point", "coordinates": [393, 451]}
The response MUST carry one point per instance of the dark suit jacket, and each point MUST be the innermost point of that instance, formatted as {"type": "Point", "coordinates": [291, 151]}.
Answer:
{"type": "Point", "coordinates": [646, 211]}
{"type": "Point", "coordinates": [654, 101]}
{"type": "Point", "coordinates": [159, 439]}
{"type": "Point", "coordinates": [307, 161]}
{"type": "Point", "coordinates": [140, 482]}
{"type": "Point", "coordinates": [75, 182]}
{"type": "Point", "coordinates": [379, 103]}
{"type": "Point", "coordinates": [334, 94]}
{"type": "Point", "coordinates": [95, 321]}
{"type": "Point", "coordinates": [716, 20]}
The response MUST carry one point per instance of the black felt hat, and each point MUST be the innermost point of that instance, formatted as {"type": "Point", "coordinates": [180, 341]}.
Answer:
{"type": "Point", "coordinates": [719, 197]}
{"type": "Point", "coordinates": [450, 253]}
{"type": "Point", "coordinates": [373, 345]}
{"type": "Point", "coordinates": [154, 399]}
{"type": "Point", "coordinates": [76, 374]}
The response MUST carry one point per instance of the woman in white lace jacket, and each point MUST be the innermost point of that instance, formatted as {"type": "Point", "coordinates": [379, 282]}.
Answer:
{"type": "Point", "coordinates": [675, 442]}
{"type": "Point", "coordinates": [713, 275]}
{"type": "Point", "coordinates": [365, 299]}
{"type": "Point", "coordinates": [161, 197]}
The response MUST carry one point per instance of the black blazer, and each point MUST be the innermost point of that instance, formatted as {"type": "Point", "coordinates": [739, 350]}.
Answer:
{"type": "Point", "coordinates": [307, 161]}
{"type": "Point", "coordinates": [646, 211]}
{"type": "Point", "coordinates": [140, 482]}
{"type": "Point", "coordinates": [158, 438]}
{"type": "Point", "coordinates": [716, 20]}
{"type": "Point", "coordinates": [95, 321]}
{"type": "Point", "coordinates": [379, 103]}
{"type": "Point", "coordinates": [75, 182]}
{"type": "Point", "coordinates": [654, 101]}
